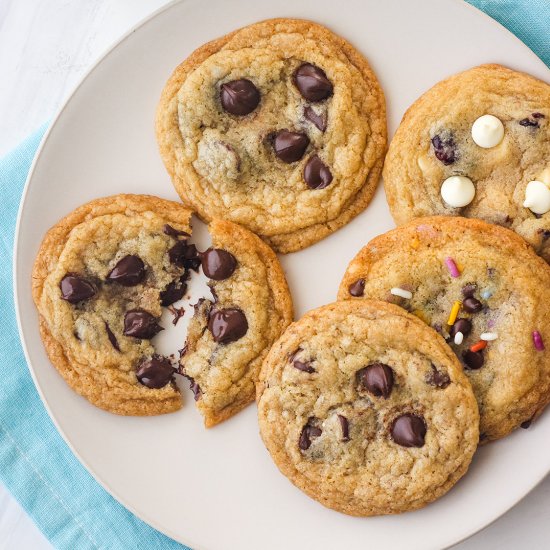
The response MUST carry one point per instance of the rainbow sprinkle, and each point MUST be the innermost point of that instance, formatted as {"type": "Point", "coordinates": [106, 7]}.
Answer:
{"type": "Point", "coordinates": [396, 291]}
{"type": "Point", "coordinates": [459, 338]}
{"type": "Point", "coordinates": [452, 267]}
{"type": "Point", "coordinates": [489, 336]}
{"type": "Point", "coordinates": [479, 346]}
{"type": "Point", "coordinates": [537, 341]}
{"type": "Point", "coordinates": [454, 312]}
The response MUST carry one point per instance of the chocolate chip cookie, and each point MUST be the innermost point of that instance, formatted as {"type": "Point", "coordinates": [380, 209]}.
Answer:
{"type": "Point", "coordinates": [230, 335]}
{"type": "Point", "coordinates": [476, 145]}
{"type": "Point", "coordinates": [485, 291]}
{"type": "Point", "coordinates": [279, 126]}
{"type": "Point", "coordinates": [366, 409]}
{"type": "Point", "coordinates": [100, 281]}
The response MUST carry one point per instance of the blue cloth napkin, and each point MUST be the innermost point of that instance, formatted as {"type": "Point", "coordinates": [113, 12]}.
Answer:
{"type": "Point", "coordinates": [71, 509]}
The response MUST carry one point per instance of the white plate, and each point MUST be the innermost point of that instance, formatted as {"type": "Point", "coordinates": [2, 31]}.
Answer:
{"type": "Point", "coordinates": [219, 489]}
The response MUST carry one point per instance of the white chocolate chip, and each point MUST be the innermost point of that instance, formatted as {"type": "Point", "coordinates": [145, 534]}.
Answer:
{"type": "Point", "coordinates": [459, 337]}
{"type": "Point", "coordinates": [396, 291]}
{"type": "Point", "coordinates": [458, 191]}
{"type": "Point", "coordinates": [487, 131]}
{"type": "Point", "coordinates": [488, 336]}
{"type": "Point", "coordinates": [537, 197]}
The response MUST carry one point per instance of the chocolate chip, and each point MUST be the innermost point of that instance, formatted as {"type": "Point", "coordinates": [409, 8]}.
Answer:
{"type": "Point", "coordinates": [472, 305]}
{"type": "Point", "coordinates": [112, 337]}
{"type": "Point", "coordinates": [130, 271]}
{"type": "Point", "coordinates": [527, 122]}
{"type": "Point", "coordinates": [445, 149]}
{"type": "Point", "coordinates": [409, 430]}
{"type": "Point", "coordinates": [461, 325]}
{"type": "Point", "coordinates": [545, 233]}
{"type": "Point", "coordinates": [140, 324]}
{"type": "Point", "coordinates": [75, 288]}
{"type": "Point", "coordinates": [194, 387]}
{"type": "Point", "coordinates": [182, 351]}
{"type": "Point", "coordinates": [155, 372]}
{"type": "Point", "coordinates": [357, 288]}
{"type": "Point", "coordinates": [312, 82]}
{"type": "Point", "coordinates": [437, 378]}
{"type": "Point", "coordinates": [468, 290]}
{"type": "Point", "coordinates": [177, 312]}
{"type": "Point", "coordinates": [526, 424]}
{"type": "Point", "coordinates": [290, 146]}
{"type": "Point", "coordinates": [376, 379]}
{"type": "Point", "coordinates": [173, 292]}
{"type": "Point", "coordinates": [185, 255]}
{"type": "Point", "coordinates": [303, 366]}
{"type": "Point", "coordinates": [173, 232]}
{"type": "Point", "coordinates": [319, 121]}
{"type": "Point", "coordinates": [316, 173]}
{"type": "Point", "coordinates": [344, 424]}
{"type": "Point", "coordinates": [218, 264]}
{"type": "Point", "coordinates": [474, 359]}
{"type": "Point", "coordinates": [227, 325]}
{"type": "Point", "coordinates": [537, 115]}
{"type": "Point", "coordinates": [309, 431]}
{"type": "Point", "coordinates": [239, 97]}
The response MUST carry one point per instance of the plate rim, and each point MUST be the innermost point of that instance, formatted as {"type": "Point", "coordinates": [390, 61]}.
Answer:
{"type": "Point", "coordinates": [152, 522]}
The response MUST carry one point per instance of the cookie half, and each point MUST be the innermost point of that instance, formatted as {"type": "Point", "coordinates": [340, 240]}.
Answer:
{"type": "Point", "coordinates": [485, 291]}
{"type": "Point", "coordinates": [476, 145]}
{"type": "Point", "coordinates": [366, 409]}
{"type": "Point", "coordinates": [230, 335]}
{"type": "Point", "coordinates": [279, 126]}
{"type": "Point", "coordinates": [98, 284]}
{"type": "Point", "coordinates": [100, 281]}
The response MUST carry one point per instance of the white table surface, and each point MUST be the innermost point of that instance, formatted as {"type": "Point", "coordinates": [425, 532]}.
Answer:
{"type": "Point", "coordinates": [45, 47]}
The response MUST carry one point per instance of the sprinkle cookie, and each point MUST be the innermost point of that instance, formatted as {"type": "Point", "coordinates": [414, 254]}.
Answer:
{"type": "Point", "coordinates": [280, 127]}
{"type": "Point", "coordinates": [476, 145]}
{"type": "Point", "coordinates": [485, 291]}
{"type": "Point", "coordinates": [365, 409]}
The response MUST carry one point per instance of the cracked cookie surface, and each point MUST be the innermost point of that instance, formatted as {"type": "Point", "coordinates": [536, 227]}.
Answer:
{"type": "Point", "coordinates": [229, 337]}
{"type": "Point", "coordinates": [499, 289]}
{"type": "Point", "coordinates": [366, 409]}
{"type": "Point", "coordinates": [98, 283]}
{"type": "Point", "coordinates": [279, 126]}
{"type": "Point", "coordinates": [434, 142]}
